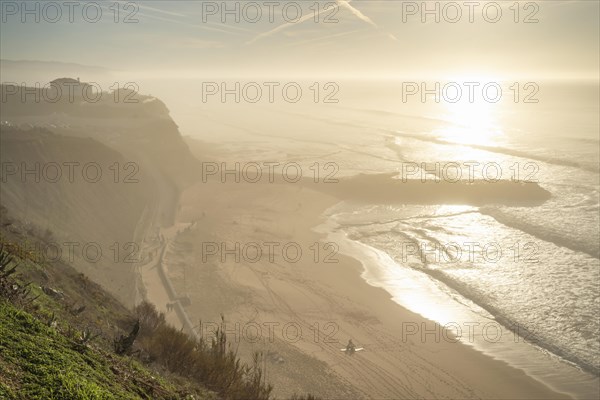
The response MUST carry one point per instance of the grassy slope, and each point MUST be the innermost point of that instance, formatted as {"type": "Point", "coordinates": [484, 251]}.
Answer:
{"type": "Point", "coordinates": [41, 356]}
{"type": "Point", "coordinates": [38, 362]}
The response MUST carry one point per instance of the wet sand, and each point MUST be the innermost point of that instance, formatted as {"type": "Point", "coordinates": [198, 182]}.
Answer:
{"type": "Point", "coordinates": [300, 311]}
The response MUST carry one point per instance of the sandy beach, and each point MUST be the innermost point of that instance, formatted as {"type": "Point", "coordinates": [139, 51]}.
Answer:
{"type": "Point", "coordinates": [366, 199]}
{"type": "Point", "coordinates": [299, 311]}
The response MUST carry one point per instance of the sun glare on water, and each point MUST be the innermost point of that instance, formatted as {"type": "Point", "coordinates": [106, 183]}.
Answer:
{"type": "Point", "coordinates": [471, 123]}
{"type": "Point", "coordinates": [472, 120]}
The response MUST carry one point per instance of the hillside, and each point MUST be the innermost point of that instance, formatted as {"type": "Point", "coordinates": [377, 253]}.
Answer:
{"type": "Point", "coordinates": [52, 152]}
{"type": "Point", "coordinates": [136, 125]}
{"type": "Point", "coordinates": [56, 334]}
{"type": "Point", "coordinates": [70, 206]}
{"type": "Point", "coordinates": [63, 337]}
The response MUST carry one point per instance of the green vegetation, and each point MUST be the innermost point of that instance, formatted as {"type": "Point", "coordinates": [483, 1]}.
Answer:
{"type": "Point", "coordinates": [63, 337]}
{"type": "Point", "coordinates": [44, 357]}
{"type": "Point", "coordinates": [215, 365]}
{"type": "Point", "coordinates": [38, 362]}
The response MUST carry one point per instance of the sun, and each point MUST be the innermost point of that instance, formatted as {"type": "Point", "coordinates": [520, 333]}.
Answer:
{"type": "Point", "coordinates": [474, 116]}
{"type": "Point", "coordinates": [468, 122]}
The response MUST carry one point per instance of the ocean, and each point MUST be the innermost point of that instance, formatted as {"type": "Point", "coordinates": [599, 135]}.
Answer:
{"type": "Point", "coordinates": [493, 274]}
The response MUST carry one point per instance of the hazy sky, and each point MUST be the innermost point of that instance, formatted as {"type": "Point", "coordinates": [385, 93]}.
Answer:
{"type": "Point", "coordinates": [363, 38]}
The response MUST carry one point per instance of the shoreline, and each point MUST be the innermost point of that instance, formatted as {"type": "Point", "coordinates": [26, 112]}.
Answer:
{"type": "Point", "coordinates": [457, 316]}
{"type": "Point", "coordinates": [310, 293]}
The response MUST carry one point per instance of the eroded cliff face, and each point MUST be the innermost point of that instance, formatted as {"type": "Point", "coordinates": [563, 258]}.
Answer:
{"type": "Point", "coordinates": [100, 176]}
{"type": "Point", "coordinates": [137, 126]}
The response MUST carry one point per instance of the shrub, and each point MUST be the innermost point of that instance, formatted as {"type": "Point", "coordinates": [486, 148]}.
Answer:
{"type": "Point", "coordinates": [150, 319]}
{"type": "Point", "coordinates": [10, 289]}
{"type": "Point", "coordinates": [214, 365]}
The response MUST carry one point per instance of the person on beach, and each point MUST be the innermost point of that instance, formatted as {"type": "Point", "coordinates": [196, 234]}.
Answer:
{"type": "Point", "coordinates": [350, 347]}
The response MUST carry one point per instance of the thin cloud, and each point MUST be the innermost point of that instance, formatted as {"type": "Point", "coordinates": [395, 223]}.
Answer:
{"type": "Point", "coordinates": [346, 4]}
{"type": "Point", "coordinates": [321, 41]}
{"type": "Point", "coordinates": [160, 11]}
{"type": "Point", "coordinates": [210, 26]}
{"type": "Point", "coordinates": [342, 3]}
{"type": "Point", "coordinates": [282, 27]}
